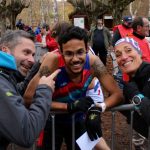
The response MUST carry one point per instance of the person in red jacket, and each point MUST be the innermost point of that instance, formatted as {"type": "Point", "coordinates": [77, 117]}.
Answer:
{"type": "Point", "coordinates": [45, 38]}
{"type": "Point", "coordinates": [122, 30]}
{"type": "Point", "coordinates": [140, 31]}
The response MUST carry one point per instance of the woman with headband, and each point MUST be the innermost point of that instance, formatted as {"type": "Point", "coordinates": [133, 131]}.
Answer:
{"type": "Point", "coordinates": [137, 90]}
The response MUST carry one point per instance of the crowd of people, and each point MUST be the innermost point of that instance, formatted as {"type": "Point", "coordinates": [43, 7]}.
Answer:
{"type": "Point", "coordinates": [70, 78]}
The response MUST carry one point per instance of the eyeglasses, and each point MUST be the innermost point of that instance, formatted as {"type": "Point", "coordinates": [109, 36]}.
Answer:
{"type": "Point", "coordinates": [70, 55]}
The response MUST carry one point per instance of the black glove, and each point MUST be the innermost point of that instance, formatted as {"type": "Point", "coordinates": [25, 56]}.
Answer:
{"type": "Point", "coordinates": [130, 90]}
{"type": "Point", "coordinates": [93, 123]}
{"type": "Point", "coordinates": [81, 104]}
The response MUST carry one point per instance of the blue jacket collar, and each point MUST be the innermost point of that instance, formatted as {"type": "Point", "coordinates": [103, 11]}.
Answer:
{"type": "Point", "coordinates": [7, 61]}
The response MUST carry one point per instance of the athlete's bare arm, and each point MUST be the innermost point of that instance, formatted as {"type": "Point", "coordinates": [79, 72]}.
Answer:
{"type": "Point", "coordinates": [48, 66]}
{"type": "Point", "coordinates": [107, 81]}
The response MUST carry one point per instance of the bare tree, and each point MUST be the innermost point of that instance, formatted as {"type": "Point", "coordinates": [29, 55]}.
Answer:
{"type": "Point", "coordinates": [55, 7]}
{"type": "Point", "coordinates": [133, 8]}
{"type": "Point", "coordinates": [9, 9]}
{"type": "Point", "coordinates": [149, 8]}
{"type": "Point", "coordinates": [30, 18]}
{"type": "Point", "coordinates": [100, 7]}
{"type": "Point", "coordinates": [42, 11]}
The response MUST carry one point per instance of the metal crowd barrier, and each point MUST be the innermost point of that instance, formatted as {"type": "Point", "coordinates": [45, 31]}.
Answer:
{"type": "Point", "coordinates": [130, 107]}
{"type": "Point", "coordinates": [53, 129]}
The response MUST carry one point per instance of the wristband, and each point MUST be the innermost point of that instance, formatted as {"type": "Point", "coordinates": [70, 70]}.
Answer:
{"type": "Point", "coordinates": [102, 105]}
{"type": "Point", "coordinates": [136, 100]}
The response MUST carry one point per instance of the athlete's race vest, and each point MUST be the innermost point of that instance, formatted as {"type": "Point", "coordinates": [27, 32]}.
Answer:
{"type": "Point", "coordinates": [68, 91]}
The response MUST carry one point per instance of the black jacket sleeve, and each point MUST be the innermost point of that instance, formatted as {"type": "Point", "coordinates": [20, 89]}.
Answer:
{"type": "Point", "coordinates": [17, 123]}
{"type": "Point", "coordinates": [145, 109]}
{"type": "Point", "coordinates": [145, 104]}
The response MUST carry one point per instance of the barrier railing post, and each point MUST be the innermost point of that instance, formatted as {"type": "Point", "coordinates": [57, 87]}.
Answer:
{"type": "Point", "coordinates": [130, 107]}
{"type": "Point", "coordinates": [113, 131]}
{"type": "Point", "coordinates": [73, 132]}
{"type": "Point", "coordinates": [53, 131]}
{"type": "Point", "coordinates": [131, 129]}
{"type": "Point", "coordinates": [148, 138]}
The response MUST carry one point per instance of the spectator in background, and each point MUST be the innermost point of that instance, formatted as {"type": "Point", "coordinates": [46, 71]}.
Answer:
{"type": "Point", "coordinates": [58, 29]}
{"type": "Point", "coordinates": [20, 24]}
{"type": "Point", "coordinates": [137, 90]}
{"type": "Point", "coordinates": [29, 30]}
{"type": "Point", "coordinates": [45, 38]}
{"type": "Point", "coordinates": [140, 27]}
{"type": "Point", "coordinates": [38, 29]}
{"type": "Point", "coordinates": [100, 40]}
{"type": "Point", "coordinates": [122, 30]}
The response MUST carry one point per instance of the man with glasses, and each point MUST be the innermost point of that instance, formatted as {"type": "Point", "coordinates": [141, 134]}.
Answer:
{"type": "Point", "coordinates": [140, 31]}
{"type": "Point", "coordinates": [78, 68]}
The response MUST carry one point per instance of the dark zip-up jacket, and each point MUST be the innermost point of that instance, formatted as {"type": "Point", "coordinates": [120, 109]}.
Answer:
{"type": "Point", "coordinates": [142, 79]}
{"type": "Point", "coordinates": [17, 123]}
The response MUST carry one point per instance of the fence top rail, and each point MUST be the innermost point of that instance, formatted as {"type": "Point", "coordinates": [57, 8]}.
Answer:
{"type": "Point", "coordinates": [117, 108]}
{"type": "Point", "coordinates": [123, 107]}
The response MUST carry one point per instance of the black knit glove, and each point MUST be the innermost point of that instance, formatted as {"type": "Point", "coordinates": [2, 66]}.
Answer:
{"type": "Point", "coordinates": [81, 104]}
{"type": "Point", "coordinates": [93, 123]}
{"type": "Point", "coordinates": [130, 90]}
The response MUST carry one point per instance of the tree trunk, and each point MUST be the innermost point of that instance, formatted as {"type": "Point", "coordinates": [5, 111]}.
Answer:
{"type": "Point", "coordinates": [133, 10]}
{"type": "Point", "coordinates": [2, 26]}
{"type": "Point", "coordinates": [117, 17]}
{"type": "Point", "coordinates": [94, 8]}
{"type": "Point", "coordinates": [10, 9]}
{"type": "Point", "coordinates": [55, 12]}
